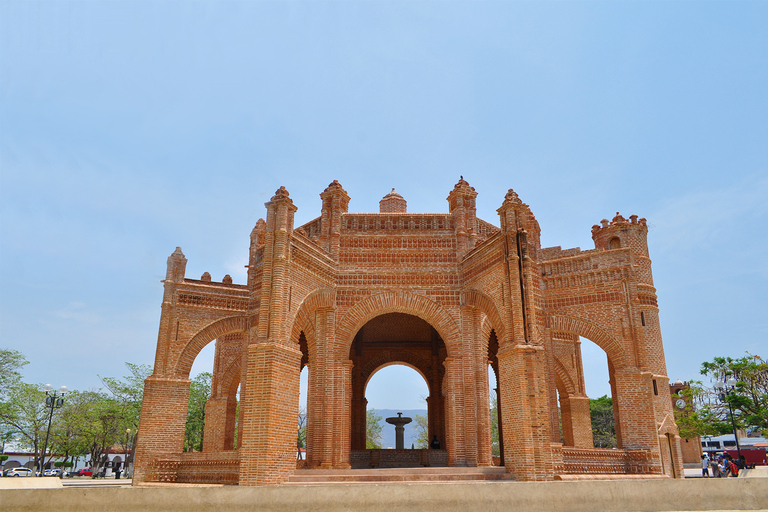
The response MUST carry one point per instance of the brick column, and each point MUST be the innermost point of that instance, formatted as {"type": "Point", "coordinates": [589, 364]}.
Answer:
{"type": "Point", "coordinates": [634, 403]}
{"type": "Point", "coordinates": [163, 422]}
{"type": "Point", "coordinates": [577, 429]}
{"type": "Point", "coordinates": [270, 416]}
{"type": "Point", "coordinates": [454, 409]}
{"type": "Point", "coordinates": [342, 427]}
{"type": "Point", "coordinates": [470, 320]}
{"type": "Point", "coordinates": [215, 424]}
{"type": "Point", "coordinates": [523, 386]}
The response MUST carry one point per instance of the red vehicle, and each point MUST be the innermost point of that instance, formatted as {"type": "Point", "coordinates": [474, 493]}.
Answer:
{"type": "Point", "coordinates": [84, 472]}
{"type": "Point", "coordinates": [753, 456]}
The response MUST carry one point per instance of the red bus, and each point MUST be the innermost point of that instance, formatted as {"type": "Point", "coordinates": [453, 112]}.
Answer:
{"type": "Point", "coordinates": [752, 455]}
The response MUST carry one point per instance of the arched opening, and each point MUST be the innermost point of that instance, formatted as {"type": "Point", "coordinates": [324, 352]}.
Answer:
{"type": "Point", "coordinates": [301, 437]}
{"type": "Point", "coordinates": [585, 397]}
{"type": "Point", "coordinates": [614, 243]}
{"type": "Point", "coordinates": [397, 338]}
{"type": "Point", "coordinates": [303, 443]}
{"type": "Point", "coordinates": [213, 415]}
{"type": "Point", "coordinates": [597, 370]}
{"type": "Point", "coordinates": [397, 388]}
{"type": "Point", "coordinates": [201, 377]}
{"type": "Point", "coordinates": [497, 439]}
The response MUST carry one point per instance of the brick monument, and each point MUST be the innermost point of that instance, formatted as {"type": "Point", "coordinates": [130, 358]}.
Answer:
{"type": "Point", "coordinates": [447, 294]}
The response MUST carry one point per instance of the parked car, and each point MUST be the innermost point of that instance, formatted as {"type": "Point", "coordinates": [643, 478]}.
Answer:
{"type": "Point", "coordinates": [19, 472]}
{"type": "Point", "coordinates": [55, 472]}
{"type": "Point", "coordinates": [84, 472]}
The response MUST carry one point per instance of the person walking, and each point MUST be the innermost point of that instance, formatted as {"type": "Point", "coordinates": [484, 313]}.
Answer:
{"type": "Point", "coordinates": [705, 466]}
{"type": "Point", "coordinates": [715, 468]}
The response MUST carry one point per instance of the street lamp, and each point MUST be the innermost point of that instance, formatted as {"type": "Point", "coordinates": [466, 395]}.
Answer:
{"type": "Point", "coordinates": [724, 388]}
{"type": "Point", "coordinates": [53, 400]}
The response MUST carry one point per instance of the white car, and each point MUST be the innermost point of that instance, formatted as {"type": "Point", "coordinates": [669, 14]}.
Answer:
{"type": "Point", "coordinates": [55, 472]}
{"type": "Point", "coordinates": [19, 472]}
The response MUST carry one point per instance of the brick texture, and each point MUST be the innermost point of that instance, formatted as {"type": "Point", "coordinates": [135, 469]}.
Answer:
{"type": "Point", "coordinates": [446, 294]}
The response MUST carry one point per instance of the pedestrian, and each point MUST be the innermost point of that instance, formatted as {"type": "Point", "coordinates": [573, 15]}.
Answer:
{"type": "Point", "coordinates": [705, 466]}
{"type": "Point", "coordinates": [725, 470]}
{"type": "Point", "coordinates": [435, 444]}
{"type": "Point", "coordinates": [715, 468]}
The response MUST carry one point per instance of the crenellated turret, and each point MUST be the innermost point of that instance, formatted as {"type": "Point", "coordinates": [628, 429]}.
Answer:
{"type": "Point", "coordinates": [621, 233]}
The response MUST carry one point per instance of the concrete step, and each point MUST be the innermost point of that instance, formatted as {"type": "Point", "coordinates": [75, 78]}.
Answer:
{"type": "Point", "coordinates": [434, 475]}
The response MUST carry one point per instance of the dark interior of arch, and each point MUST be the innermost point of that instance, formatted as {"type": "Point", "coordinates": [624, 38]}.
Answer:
{"type": "Point", "coordinates": [397, 338]}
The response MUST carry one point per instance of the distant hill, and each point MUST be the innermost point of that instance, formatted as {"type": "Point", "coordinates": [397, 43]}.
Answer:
{"type": "Point", "coordinates": [389, 430]}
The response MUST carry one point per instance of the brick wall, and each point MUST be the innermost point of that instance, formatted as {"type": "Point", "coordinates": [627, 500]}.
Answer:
{"type": "Point", "coordinates": [444, 293]}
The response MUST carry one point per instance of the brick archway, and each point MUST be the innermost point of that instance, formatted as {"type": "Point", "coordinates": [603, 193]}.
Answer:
{"type": "Point", "coordinates": [398, 302]}
{"type": "Point", "coordinates": [564, 377]}
{"type": "Point", "coordinates": [372, 366]}
{"type": "Point", "coordinates": [203, 337]}
{"type": "Point", "coordinates": [593, 332]}
{"type": "Point", "coordinates": [304, 319]}
{"type": "Point", "coordinates": [484, 303]}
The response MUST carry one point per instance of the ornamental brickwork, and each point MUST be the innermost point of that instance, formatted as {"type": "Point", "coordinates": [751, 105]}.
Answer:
{"type": "Point", "coordinates": [447, 294]}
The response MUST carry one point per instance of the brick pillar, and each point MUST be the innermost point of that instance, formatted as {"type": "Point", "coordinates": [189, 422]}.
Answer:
{"type": "Point", "coordinates": [523, 385]}
{"type": "Point", "coordinates": [565, 420]}
{"type": "Point", "coordinates": [342, 426]}
{"type": "Point", "coordinates": [322, 393]}
{"type": "Point", "coordinates": [163, 422]}
{"type": "Point", "coordinates": [477, 406]}
{"type": "Point", "coordinates": [215, 424]}
{"type": "Point", "coordinates": [579, 421]}
{"type": "Point", "coordinates": [231, 423]}
{"type": "Point", "coordinates": [314, 411]}
{"type": "Point", "coordinates": [454, 408]}
{"type": "Point", "coordinates": [270, 416]}
{"type": "Point", "coordinates": [470, 320]}
{"type": "Point", "coordinates": [634, 399]}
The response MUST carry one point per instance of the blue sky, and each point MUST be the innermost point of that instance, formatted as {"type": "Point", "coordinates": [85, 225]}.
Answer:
{"type": "Point", "coordinates": [130, 128]}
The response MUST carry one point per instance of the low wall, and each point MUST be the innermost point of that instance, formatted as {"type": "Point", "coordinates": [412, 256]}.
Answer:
{"type": "Point", "coordinates": [398, 458]}
{"type": "Point", "coordinates": [607, 496]}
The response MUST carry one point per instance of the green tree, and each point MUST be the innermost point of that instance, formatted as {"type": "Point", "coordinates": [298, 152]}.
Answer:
{"type": "Point", "coordinates": [11, 362]}
{"type": "Point", "coordinates": [24, 417]}
{"type": "Point", "coordinates": [73, 429]}
{"type": "Point", "coordinates": [748, 399]}
{"type": "Point", "coordinates": [301, 436]}
{"type": "Point", "coordinates": [603, 427]}
{"type": "Point", "coordinates": [128, 393]}
{"type": "Point", "coordinates": [373, 430]}
{"type": "Point", "coordinates": [422, 431]}
{"type": "Point", "coordinates": [495, 446]}
{"type": "Point", "coordinates": [199, 393]}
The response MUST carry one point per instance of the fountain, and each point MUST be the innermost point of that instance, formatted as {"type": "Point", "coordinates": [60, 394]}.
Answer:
{"type": "Point", "coordinates": [399, 422]}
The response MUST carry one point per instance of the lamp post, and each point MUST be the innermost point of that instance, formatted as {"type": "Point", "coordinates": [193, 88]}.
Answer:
{"type": "Point", "coordinates": [724, 388]}
{"type": "Point", "coordinates": [53, 400]}
{"type": "Point", "coordinates": [128, 457]}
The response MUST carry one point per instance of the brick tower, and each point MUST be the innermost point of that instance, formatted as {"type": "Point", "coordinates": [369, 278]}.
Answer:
{"type": "Point", "coordinates": [444, 293]}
